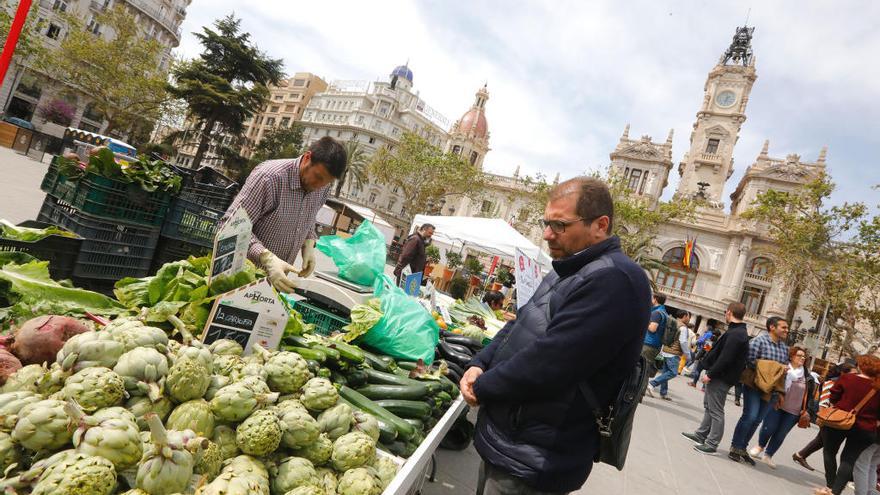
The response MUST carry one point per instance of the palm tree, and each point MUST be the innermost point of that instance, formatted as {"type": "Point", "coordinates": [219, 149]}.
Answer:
{"type": "Point", "coordinates": [357, 166]}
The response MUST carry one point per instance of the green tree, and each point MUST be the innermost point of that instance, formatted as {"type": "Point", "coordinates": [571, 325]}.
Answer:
{"type": "Point", "coordinates": [280, 142]}
{"type": "Point", "coordinates": [424, 173]}
{"type": "Point", "coordinates": [120, 75]}
{"type": "Point", "coordinates": [356, 169]}
{"type": "Point", "coordinates": [226, 84]}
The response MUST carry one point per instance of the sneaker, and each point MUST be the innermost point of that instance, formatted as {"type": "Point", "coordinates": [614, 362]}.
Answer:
{"type": "Point", "coordinates": [693, 437]}
{"type": "Point", "coordinates": [650, 390]}
{"type": "Point", "coordinates": [802, 461]}
{"type": "Point", "coordinates": [756, 452]}
{"type": "Point", "coordinates": [666, 397]}
{"type": "Point", "coordinates": [734, 456]}
{"type": "Point", "coordinates": [706, 449]}
{"type": "Point", "coordinates": [769, 462]}
{"type": "Point", "coordinates": [746, 458]}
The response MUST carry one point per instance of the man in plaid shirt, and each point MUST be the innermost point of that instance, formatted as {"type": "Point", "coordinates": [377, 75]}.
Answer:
{"type": "Point", "coordinates": [768, 346]}
{"type": "Point", "coordinates": [282, 198]}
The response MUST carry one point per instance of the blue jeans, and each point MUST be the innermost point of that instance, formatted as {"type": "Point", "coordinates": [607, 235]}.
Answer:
{"type": "Point", "coordinates": [754, 410]}
{"type": "Point", "coordinates": [776, 426]}
{"type": "Point", "coordinates": [698, 368]}
{"type": "Point", "coordinates": [669, 371]}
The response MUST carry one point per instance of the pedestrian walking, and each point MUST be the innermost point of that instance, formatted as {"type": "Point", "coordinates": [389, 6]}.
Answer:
{"type": "Point", "coordinates": [704, 345]}
{"type": "Point", "coordinates": [724, 364]}
{"type": "Point", "coordinates": [414, 252]}
{"type": "Point", "coordinates": [656, 329]}
{"type": "Point", "coordinates": [865, 470]}
{"type": "Point", "coordinates": [581, 331]}
{"type": "Point", "coordinates": [737, 394]}
{"type": "Point", "coordinates": [800, 388]}
{"type": "Point", "coordinates": [815, 445]}
{"type": "Point", "coordinates": [855, 392]}
{"type": "Point", "coordinates": [672, 355]}
{"type": "Point", "coordinates": [767, 350]}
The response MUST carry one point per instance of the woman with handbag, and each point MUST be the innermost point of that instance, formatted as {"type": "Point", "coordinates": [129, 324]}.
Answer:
{"type": "Point", "coordinates": [793, 409]}
{"type": "Point", "coordinates": [852, 418]}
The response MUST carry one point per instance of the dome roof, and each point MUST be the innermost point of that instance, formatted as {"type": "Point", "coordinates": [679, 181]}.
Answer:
{"type": "Point", "coordinates": [402, 71]}
{"type": "Point", "coordinates": [473, 123]}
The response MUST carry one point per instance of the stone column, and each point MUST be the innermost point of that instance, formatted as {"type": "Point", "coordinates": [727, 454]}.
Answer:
{"type": "Point", "coordinates": [736, 278]}
{"type": "Point", "coordinates": [727, 269]}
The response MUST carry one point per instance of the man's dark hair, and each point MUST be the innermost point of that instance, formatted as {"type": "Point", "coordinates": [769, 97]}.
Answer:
{"type": "Point", "coordinates": [712, 322]}
{"type": "Point", "coordinates": [493, 296]}
{"type": "Point", "coordinates": [426, 226]}
{"type": "Point", "coordinates": [682, 313]}
{"type": "Point", "coordinates": [661, 298]}
{"type": "Point", "coordinates": [329, 153]}
{"type": "Point", "coordinates": [737, 309]}
{"type": "Point", "coordinates": [594, 198]}
{"type": "Point", "coordinates": [773, 321]}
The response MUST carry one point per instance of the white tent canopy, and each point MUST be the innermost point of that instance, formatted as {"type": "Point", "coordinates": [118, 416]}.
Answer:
{"type": "Point", "coordinates": [490, 235]}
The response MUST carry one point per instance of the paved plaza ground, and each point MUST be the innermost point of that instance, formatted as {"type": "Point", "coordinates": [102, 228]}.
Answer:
{"type": "Point", "coordinates": [20, 195]}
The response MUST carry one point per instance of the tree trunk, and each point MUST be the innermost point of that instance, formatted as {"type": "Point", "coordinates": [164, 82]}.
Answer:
{"type": "Point", "coordinates": [794, 301]}
{"type": "Point", "coordinates": [203, 143]}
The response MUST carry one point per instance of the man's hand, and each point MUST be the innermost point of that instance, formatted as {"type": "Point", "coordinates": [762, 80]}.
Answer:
{"type": "Point", "coordinates": [467, 385]}
{"type": "Point", "coordinates": [308, 258]}
{"type": "Point", "coordinates": [706, 379]}
{"type": "Point", "coordinates": [277, 272]}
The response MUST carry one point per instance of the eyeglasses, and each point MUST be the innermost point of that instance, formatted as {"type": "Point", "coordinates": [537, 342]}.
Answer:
{"type": "Point", "coordinates": [800, 355]}
{"type": "Point", "coordinates": [558, 226]}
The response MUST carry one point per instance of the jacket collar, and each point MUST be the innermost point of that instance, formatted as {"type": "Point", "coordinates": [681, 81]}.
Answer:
{"type": "Point", "coordinates": [567, 266]}
{"type": "Point", "coordinates": [731, 326]}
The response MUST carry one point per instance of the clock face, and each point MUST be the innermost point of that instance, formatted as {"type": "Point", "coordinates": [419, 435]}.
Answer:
{"type": "Point", "coordinates": [725, 99]}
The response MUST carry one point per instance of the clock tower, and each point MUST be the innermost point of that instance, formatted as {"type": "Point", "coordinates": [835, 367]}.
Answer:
{"type": "Point", "coordinates": [708, 163]}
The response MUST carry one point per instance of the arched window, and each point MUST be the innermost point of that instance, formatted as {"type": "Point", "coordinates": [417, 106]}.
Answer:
{"type": "Point", "coordinates": [677, 276]}
{"type": "Point", "coordinates": [761, 267]}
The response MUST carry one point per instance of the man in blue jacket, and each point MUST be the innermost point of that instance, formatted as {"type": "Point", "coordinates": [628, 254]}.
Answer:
{"type": "Point", "coordinates": [583, 327]}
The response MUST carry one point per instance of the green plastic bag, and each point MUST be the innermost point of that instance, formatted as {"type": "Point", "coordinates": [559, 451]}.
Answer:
{"type": "Point", "coordinates": [361, 257]}
{"type": "Point", "coordinates": [407, 330]}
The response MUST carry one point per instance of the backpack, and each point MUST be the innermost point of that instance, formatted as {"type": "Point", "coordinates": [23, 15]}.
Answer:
{"type": "Point", "coordinates": [671, 331]}
{"type": "Point", "coordinates": [615, 421]}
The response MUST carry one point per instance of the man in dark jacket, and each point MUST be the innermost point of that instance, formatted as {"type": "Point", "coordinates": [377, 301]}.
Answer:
{"type": "Point", "coordinates": [583, 327]}
{"type": "Point", "coordinates": [724, 364]}
{"type": "Point", "coordinates": [413, 251]}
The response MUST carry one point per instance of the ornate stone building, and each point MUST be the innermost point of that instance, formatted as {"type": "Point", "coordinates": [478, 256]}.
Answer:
{"type": "Point", "coordinates": [733, 260]}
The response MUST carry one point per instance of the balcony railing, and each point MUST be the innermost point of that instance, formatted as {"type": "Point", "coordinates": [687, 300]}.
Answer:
{"type": "Point", "coordinates": [694, 298]}
{"type": "Point", "coordinates": [168, 20]}
{"type": "Point", "coordinates": [710, 157]}
{"type": "Point", "coordinates": [98, 5]}
{"type": "Point", "coordinates": [758, 278]}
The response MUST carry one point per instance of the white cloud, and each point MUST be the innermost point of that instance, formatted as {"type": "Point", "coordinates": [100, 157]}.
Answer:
{"type": "Point", "coordinates": [565, 77]}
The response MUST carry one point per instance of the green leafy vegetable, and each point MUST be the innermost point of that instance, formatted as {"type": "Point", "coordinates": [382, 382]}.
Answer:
{"type": "Point", "coordinates": [28, 234]}
{"type": "Point", "coordinates": [363, 318]}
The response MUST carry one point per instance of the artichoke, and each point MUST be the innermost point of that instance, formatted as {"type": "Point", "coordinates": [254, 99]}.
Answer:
{"type": "Point", "coordinates": [366, 423]}
{"type": "Point", "coordinates": [89, 349]}
{"type": "Point", "coordinates": [132, 337]}
{"type": "Point", "coordinates": [42, 468]}
{"type": "Point", "coordinates": [167, 466]}
{"type": "Point", "coordinates": [287, 404]}
{"type": "Point", "coordinates": [207, 462]}
{"type": "Point", "coordinates": [294, 472]}
{"type": "Point", "coordinates": [94, 388]}
{"type": "Point", "coordinates": [224, 437]}
{"type": "Point", "coordinates": [386, 469]}
{"type": "Point", "coordinates": [300, 429]}
{"type": "Point", "coordinates": [141, 406]}
{"type": "Point", "coordinates": [190, 375]}
{"type": "Point", "coordinates": [286, 372]}
{"type": "Point", "coordinates": [25, 379]}
{"type": "Point", "coordinates": [111, 433]}
{"type": "Point", "coordinates": [318, 451]}
{"type": "Point", "coordinates": [217, 382]}
{"type": "Point", "coordinates": [226, 347]}
{"type": "Point", "coordinates": [42, 426]}
{"type": "Point", "coordinates": [319, 394]}
{"type": "Point", "coordinates": [237, 401]}
{"type": "Point", "coordinates": [328, 480]}
{"type": "Point", "coordinates": [10, 405]}
{"type": "Point", "coordinates": [227, 364]}
{"type": "Point", "coordinates": [89, 475]}
{"type": "Point", "coordinates": [255, 370]}
{"type": "Point", "coordinates": [143, 370]}
{"type": "Point", "coordinates": [352, 450]}
{"type": "Point", "coordinates": [358, 481]}
{"type": "Point", "coordinates": [232, 484]}
{"type": "Point", "coordinates": [259, 434]}
{"type": "Point", "coordinates": [306, 490]}
{"type": "Point", "coordinates": [192, 415]}
{"type": "Point", "coordinates": [9, 454]}
{"type": "Point", "coordinates": [336, 421]}
{"type": "Point", "coordinates": [53, 380]}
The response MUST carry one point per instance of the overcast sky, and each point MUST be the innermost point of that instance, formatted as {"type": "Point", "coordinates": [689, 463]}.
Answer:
{"type": "Point", "coordinates": [565, 77]}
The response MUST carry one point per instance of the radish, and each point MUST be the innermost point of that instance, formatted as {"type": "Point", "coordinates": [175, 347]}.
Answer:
{"type": "Point", "coordinates": [40, 339]}
{"type": "Point", "coordinates": [9, 364]}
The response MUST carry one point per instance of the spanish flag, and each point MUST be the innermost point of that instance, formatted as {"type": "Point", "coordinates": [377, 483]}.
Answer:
{"type": "Point", "coordinates": [689, 257]}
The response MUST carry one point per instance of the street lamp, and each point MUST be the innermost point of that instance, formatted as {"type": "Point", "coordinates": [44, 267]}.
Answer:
{"type": "Point", "coordinates": [795, 328]}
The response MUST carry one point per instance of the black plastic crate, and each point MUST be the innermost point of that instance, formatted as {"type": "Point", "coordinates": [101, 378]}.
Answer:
{"type": "Point", "coordinates": [110, 250]}
{"type": "Point", "coordinates": [61, 252]}
{"type": "Point", "coordinates": [169, 250]}
{"type": "Point", "coordinates": [191, 222]}
{"type": "Point", "coordinates": [103, 286]}
{"type": "Point", "coordinates": [207, 187]}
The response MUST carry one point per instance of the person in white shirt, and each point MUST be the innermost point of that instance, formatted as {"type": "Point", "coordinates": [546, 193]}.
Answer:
{"type": "Point", "coordinates": [672, 356]}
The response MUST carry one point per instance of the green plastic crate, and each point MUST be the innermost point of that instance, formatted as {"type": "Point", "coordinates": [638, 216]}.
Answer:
{"type": "Point", "coordinates": [325, 322]}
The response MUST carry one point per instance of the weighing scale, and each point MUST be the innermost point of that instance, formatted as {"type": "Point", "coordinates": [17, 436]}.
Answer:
{"type": "Point", "coordinates": [328, 289]}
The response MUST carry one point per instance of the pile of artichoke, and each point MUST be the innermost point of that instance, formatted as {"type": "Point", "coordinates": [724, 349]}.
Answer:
{"type": "Point", "coordinates": [125, 410]}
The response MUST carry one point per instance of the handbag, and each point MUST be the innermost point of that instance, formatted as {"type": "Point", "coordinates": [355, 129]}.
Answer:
{"type": "Point", "coordinates": [840, 419]}
{"type": "Point", "coordinates": [804, 419]}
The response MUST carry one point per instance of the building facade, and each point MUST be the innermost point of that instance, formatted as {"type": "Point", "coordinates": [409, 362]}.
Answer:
{"type": "Point", "coordinates": [25, 90]}
{"type": "Point", "coordinates": [733, 258]}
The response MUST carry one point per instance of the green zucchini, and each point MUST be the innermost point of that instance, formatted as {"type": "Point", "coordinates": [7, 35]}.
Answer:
{"type": "Point", "coordinates": [348, 351]}
{"type": "Point", "coordinates": [324, 373]}
{"type": "Point", "coordinates": [297, 340]}
{"type": "Point", "coordinates": [387, 431]}
{"type": "Point", "coordinates": [332, 354]}
{"type": "Point", "coordinates": [314, 366]}
{"type": "Point", "coordinates": [356, 377]}
{"type": "Point", "coordinates": [405, 431]}
{"type": "Point", "coordinates": [375, 362]}
{"type": "Point", "coordinates": [382, 378]}
{"type": "Point", "coordinates": [401, 448]}
{"type": "Point", "coordinates": [451, 387]}
{"type": "Point", "coordinates": [406, 408]}
{"type": "Point", "coordinates": [313, 354]}
{"type": "Point", "coordinates": [417, 423]}
{"type": "Point", "coordinates": [339, 378]}
{"type": "Point", "coordinates": [444, 397]}
{"type": "Point", "coordinates": [407, 365]}
{"type": "Point", "coordinates": [412, 392]}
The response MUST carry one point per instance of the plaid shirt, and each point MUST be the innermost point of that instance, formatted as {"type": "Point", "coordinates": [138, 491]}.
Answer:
{"type": "Point", "coordinates": [282, 212]}
{"type": "Point", "coordinates": [761, 347]}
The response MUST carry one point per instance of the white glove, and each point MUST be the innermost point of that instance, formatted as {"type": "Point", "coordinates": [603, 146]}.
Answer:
{"type": "Point", "coordinates": [277, 271]}
{"type": "Point", "coordinates": [308, 258]}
